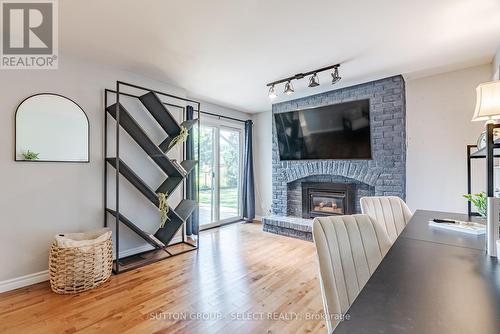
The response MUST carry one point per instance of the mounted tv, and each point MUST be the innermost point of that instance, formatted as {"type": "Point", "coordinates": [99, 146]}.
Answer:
{"type": "Point", "coordinates": [337, 131]}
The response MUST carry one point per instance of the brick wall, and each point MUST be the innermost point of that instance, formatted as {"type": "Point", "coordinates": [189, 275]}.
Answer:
{"type": "Point", "coordinates": [385, 174]}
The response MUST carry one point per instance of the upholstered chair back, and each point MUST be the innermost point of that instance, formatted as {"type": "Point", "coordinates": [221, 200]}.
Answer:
{"type": "Point", "coordinates": [390, 212]}
{"type": "Point", "coordinates": [349, 249]}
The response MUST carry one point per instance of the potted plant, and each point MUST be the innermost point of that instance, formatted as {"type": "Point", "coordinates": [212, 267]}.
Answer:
{"type": "Point", "coordinates": [181, 138]}
{"type": "Point", "coordinates": [31, 156]}
{"type": "Point", "coordinates": [480, 201]}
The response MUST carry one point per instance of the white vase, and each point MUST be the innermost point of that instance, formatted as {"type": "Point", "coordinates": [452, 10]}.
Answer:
{"type": "Point", "coordinates": [492, 225]}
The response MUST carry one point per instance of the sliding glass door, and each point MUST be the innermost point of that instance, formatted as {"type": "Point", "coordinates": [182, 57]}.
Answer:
{"type": "Point", "coordinates": [221, 150]}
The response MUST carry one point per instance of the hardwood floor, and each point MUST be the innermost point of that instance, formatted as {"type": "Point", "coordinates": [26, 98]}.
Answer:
{"type": "Point", "coordinates": [242, 280]}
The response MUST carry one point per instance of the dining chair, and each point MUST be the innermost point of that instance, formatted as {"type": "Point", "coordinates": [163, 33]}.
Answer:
{"type": "Point", "coordinates": [391, 212]}
{"type": "Point", "coordinates": [349, 249]}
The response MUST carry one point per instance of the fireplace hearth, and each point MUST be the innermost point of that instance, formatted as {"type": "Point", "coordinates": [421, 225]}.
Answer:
{"type": "Point", "coordinates": [326, 199]}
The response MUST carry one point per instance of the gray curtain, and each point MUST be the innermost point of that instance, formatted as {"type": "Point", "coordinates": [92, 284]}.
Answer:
{"type": "Point", "coordinates": [248, 180]}
{"type": "Point", "coordinates": [192, 224]}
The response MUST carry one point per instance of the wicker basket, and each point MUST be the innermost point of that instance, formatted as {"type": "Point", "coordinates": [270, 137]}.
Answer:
{"type": "Point", "coordinates": [77, 269]}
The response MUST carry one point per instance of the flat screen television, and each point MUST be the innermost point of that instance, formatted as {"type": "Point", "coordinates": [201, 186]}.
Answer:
{"type": "Point", "coordinates": [337, 131]}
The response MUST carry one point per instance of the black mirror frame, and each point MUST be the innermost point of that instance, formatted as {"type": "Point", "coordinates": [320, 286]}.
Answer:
{"type": "Point", "coordinates": [42, 161]}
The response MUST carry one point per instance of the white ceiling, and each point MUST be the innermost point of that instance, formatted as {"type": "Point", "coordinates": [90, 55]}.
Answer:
{"type": "Point", "coordinates": [225, 51]}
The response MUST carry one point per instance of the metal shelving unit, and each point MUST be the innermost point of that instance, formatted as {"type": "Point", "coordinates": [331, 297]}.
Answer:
{"type": "Point", "coordinates": [490, 152]}
{"type": "Point", "coordinates": [178, 216]}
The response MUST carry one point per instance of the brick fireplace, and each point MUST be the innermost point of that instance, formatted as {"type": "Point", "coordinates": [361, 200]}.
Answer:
{"type": "Point", "coordinates": [385, 174]}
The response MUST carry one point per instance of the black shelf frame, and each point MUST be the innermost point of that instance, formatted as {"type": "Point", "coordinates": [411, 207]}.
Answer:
{"type": "Point", "coordinates": [489, 152]}
{"type": "Point", "coordinates": [175, 178]}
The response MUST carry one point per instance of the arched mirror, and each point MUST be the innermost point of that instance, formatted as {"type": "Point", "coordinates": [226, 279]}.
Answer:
{"type": "Point", "coordinates": [51, 127]}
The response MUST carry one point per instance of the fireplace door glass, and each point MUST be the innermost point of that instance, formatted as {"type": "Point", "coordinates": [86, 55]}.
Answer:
{"type": "Point", "coordinates": [327, 203]}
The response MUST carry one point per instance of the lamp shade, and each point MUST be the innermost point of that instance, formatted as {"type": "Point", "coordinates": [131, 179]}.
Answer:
{"type": "Point", "coordinates": [487, 101]}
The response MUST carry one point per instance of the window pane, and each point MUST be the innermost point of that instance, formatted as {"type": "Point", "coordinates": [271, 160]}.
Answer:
{"type": "Point", "coordinates": [229, 155]}
{"type": "Point", "coordinates": [207, 170]}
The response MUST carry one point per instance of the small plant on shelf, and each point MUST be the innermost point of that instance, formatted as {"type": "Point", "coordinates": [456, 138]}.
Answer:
{"type": "Point", "coordinates": [181, 138]}
{"type": "Point", "coordinates": [480, 201]}
{"type": "Point", "coordinates": [163, 208]}
{"type": "Point", "coordinates": [31, 156]}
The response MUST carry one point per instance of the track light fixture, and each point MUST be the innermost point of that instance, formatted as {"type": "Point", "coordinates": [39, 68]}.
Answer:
{"type": "Point", "coordinates": [272, 92]}
{"type": "Point", "coordinates": [335, 76]}
{"type": "Point", "coordinates": [288, 88]}
{"type": "Point", "coordinates": [313, 80]}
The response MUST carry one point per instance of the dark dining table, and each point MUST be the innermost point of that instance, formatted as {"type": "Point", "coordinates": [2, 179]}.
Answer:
{"type": "Point", "coordinates": [431, 281]}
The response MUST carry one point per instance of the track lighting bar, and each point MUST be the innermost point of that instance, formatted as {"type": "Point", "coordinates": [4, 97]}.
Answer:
{"type": "Point", "coordinates": [302, 75]}
{"type": "Point", "coordinates": [313, 80]}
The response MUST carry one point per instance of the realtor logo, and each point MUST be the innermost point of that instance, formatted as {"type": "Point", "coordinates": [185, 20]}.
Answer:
{"type": "Point", "coordinates": [29, 34]}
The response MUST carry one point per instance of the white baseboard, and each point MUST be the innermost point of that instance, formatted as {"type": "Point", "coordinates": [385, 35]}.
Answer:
{"type": "Point", "coordinates": [259, 218]}
{"type": "Point", "coordinates": [19, 282]}
{"type": "Point", "coordinates": [42, 276]}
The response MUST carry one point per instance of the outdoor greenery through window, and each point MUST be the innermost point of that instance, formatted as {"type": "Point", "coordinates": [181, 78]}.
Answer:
{"type": "Point", "coordinates": [220, 164]}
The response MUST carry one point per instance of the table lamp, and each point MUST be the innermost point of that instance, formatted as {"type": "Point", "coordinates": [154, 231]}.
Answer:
{"type": "Point", "coordinates": [487, 102]}
{"type": "Point", "coordinates": [488, 109]}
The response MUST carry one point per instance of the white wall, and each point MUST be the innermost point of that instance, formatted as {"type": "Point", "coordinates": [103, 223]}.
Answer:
{"type": "Point", "coordinates": [262, 139]}
{"type": "Point", "coordinates": [38, 200]}
{"type": "Point", "coordinates": [439, 110]}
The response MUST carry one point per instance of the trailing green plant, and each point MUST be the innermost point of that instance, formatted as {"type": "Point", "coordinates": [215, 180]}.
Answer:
{"type": "Point", "coordinates": [28, 155]}
{"type": "Point", "coordinates": [163, 208]}
{"type": "Point", "coordinates": [181, 138]}
{"type": "Point", "coordinates": [480, 201]}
